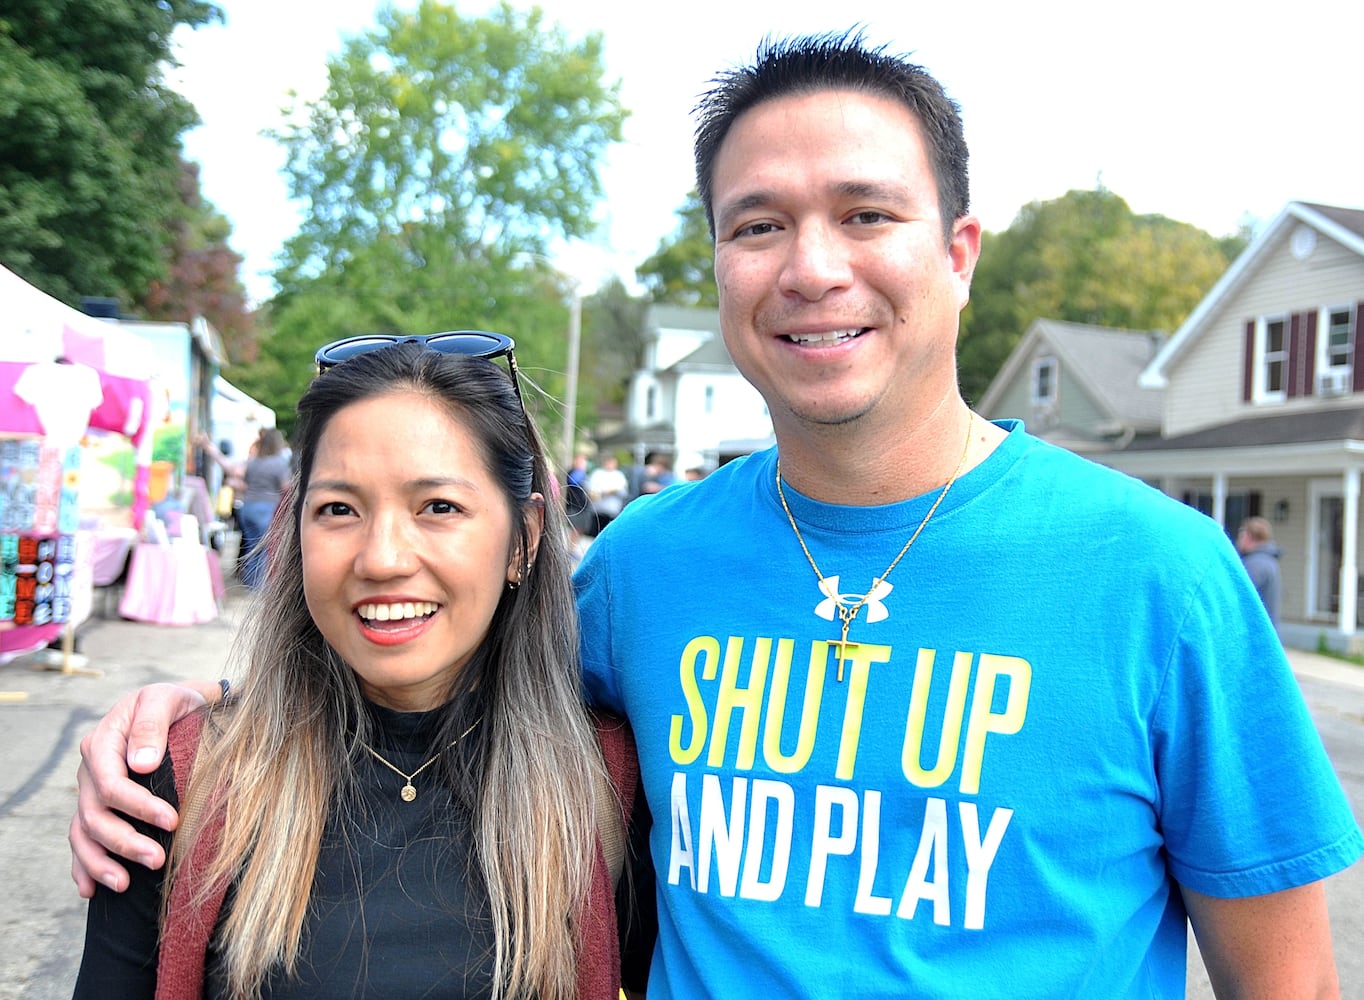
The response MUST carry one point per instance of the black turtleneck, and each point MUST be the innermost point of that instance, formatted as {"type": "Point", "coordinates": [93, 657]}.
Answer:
{"type": "Point", "coordinates": [397, 907]}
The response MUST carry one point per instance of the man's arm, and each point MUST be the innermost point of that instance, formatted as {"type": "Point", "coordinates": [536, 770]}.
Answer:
{"type": "Point", "coordinates": [1273, 946]}
{"type": "Point", "coordinates": [132, 735]}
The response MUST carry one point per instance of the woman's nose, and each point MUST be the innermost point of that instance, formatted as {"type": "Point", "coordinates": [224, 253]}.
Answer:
{"type": "Point", "coordinates": [389, 549]}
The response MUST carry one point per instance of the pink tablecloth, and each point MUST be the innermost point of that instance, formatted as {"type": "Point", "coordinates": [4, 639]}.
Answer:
{"type": "Point", "coordinates": [112, 546]}
{"type": "Point", "coordinates": [169, 585]}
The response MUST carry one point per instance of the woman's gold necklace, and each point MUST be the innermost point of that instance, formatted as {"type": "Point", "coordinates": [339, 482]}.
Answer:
{"type": "Point", "coordinates": [409, 791]}
{"type": "Point", "coordinates": [846, 611]}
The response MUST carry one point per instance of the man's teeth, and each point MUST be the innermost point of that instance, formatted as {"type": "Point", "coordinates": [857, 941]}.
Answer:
{"type": "Point", "coordinates": [822, 339]}
{"type": "Point", "coordinates": [396, 612]}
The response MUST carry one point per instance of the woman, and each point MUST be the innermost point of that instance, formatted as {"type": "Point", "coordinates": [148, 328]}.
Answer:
{"type": "Point", "coordinates": [407, 775]}
{"type": "Point", "coordinates": [263, 475]}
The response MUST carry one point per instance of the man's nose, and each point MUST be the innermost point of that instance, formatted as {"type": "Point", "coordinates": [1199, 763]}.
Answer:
{"type": "Point", "coordinates": [818, 261]}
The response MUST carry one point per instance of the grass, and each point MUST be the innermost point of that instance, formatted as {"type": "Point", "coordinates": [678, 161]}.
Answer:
{"type": "Point", "coordinates": [1356, 658]}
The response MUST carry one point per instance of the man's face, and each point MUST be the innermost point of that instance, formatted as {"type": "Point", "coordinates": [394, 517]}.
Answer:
{"type": "Point", "coordinates": [838, 299]}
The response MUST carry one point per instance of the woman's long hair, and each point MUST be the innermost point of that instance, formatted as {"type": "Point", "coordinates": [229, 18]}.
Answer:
{"type": "Point", "coordinates": [285, 756]}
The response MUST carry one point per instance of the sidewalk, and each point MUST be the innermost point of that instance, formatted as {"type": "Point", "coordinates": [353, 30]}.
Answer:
{"type": "Point", "coordinates": [1325, 668]}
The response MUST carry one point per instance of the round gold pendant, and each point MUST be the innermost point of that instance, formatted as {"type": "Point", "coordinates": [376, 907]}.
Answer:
{"type": "Point", "coordinates": [408, 793]}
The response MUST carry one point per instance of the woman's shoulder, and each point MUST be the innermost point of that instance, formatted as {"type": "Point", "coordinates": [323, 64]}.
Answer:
{"type": "Point", "coordinates": [613, 734]}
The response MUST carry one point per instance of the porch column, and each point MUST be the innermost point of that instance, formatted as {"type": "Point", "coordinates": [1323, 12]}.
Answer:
{"type": "Point", "coordinates": [1349, 563]}
{"type": "Point", "coordinates": [1219, 497]}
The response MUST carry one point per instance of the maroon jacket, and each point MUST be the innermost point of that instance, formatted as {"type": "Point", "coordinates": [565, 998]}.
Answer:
{"type": "Point", "coordinates": [188, 927]}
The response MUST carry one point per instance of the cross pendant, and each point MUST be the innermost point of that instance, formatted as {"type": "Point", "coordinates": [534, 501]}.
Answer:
{"type": "Point", "coordinates": [843, 642]}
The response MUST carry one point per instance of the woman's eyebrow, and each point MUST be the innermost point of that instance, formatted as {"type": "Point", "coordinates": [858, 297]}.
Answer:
{"type": "Point", "coordinates": [421, 483]}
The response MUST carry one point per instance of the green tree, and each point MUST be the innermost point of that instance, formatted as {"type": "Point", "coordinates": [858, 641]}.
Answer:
{"type": "Point", "coordinates": [1086, 258]}
{"type": "Point", "coordinates": [613, 345]}
{"type": "Point", "coordinates": [445, 156]}
{"type": "Point", "coordinates": [202, 273]}
{"type": "Point", "coordinates": [682, 271]}
{"type": "Point", "coordinates": [90, 141]}
{"type": "Point", "coordinates": [379, 292]}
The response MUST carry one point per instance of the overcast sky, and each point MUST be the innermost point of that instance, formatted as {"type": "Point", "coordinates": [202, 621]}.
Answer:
{"type": "Point", "coordinates": [1209, 113]}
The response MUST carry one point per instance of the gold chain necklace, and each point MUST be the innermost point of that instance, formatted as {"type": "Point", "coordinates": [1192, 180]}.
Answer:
{"type": "Point", "coordinates": [409, 791]}
{"type": "Point", "coordinates": [847, 612]}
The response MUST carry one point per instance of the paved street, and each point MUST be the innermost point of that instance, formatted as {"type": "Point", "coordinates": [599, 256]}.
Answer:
{"type": "Point", "coordinates": [43, 920]}
{"type": "Point", "coordinates": [42, 923]}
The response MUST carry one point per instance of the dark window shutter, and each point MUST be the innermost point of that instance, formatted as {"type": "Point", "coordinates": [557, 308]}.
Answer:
{"type": "Point", "coordinates": [1294, 373]}
{"type": "Point", "coordinates": [1248, 379]}
{"type": "Point", "coordinates": [1356, 354]}
{"type": "Point", "coordinates": [1309, 355]}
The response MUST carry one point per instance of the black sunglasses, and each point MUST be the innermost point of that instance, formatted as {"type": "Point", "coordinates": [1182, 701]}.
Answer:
{"type": "Point", "coordinates": [470, 343]}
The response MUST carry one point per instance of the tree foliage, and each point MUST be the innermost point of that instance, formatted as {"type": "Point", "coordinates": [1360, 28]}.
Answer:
{"type": "Point", "coordinates": [379, 292]}
{"type": "Point", "coordinates": [613, 341]}
{"type": "Point", "coordinates": [201, 276]}
{"type": "Point", "coordinates": [90, 141]}
{"type": "Point", "coordinates": [477, 132]}
{"type": "Point", "coordinates": [682, 270]}
{"type": "Point", "coordinates": [1086, 258]}
{"type": "Point", "coordinates": [444, 157]}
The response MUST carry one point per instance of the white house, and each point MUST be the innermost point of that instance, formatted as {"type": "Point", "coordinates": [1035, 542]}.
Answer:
{"type": "Point", "coordinates": [688, 401]}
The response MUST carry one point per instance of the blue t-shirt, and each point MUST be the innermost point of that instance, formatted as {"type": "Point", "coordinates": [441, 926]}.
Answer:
{"type": "Point", "coordinates": [1065, 699]}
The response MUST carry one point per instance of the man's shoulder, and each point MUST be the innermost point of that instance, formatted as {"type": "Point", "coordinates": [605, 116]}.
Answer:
{"type": "Point", "coordinates": [1105, 493]}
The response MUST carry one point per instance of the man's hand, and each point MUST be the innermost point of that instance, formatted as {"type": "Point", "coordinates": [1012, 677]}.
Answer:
{"type": "Point", "coordinates": [134, 730]}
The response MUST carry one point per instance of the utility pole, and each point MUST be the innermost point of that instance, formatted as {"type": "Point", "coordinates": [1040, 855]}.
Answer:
{"type": "Point", "coordinates": [575, 332]}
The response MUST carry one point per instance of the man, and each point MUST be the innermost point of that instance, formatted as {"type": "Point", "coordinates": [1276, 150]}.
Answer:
{"type": "Point", "coordinates": [924, 706]}
{"type": "Point", "coordinates": [654, 475]}
{"type": "Point", "coordinates": [608, 490]}
{"type": "Point", "coordinates": [1259, 554]}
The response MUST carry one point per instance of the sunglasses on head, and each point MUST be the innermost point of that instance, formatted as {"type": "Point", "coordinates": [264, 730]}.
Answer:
{"type": "Point", "coordinates": [470, 343]}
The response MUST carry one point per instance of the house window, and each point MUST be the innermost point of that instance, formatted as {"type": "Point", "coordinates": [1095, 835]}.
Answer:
{"type": "Point", "coordinates": [651, 403]}
{"type": "Point", "coordinates": [1338, 322]}
{"type": "Point", "coordinates": [1044, 381]}
{"type": "Point", "coordinates": [709, 403]}
{"type": "Point", "coordinates": [1272, 345]}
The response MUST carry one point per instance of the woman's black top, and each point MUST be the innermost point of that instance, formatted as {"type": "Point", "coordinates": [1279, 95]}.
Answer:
{"type": "Point", "coordinates": [397, 909]}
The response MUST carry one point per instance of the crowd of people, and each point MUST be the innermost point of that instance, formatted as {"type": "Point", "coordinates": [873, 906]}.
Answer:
{"type": "Point", "coordinates": [997, 721]}
{"type": "Point", "coordinates": [596, 493]}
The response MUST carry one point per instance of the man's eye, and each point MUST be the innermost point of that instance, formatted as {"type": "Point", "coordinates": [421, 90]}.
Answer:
{"type": "Point", "coordinates": [756, 229]}
{"type": "Point", "coordinates": [441, 507]}
{"type": "Point", "coordinates": [868, 217]}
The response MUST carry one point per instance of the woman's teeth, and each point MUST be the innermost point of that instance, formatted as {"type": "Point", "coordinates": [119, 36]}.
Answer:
{"type": "Point", "coordinates": [397, 611]}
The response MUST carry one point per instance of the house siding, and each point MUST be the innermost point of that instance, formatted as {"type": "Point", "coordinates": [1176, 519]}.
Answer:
{"type": "Point", "coordinates": [1078, 411]}
{"type": "Point", "coordinates": [1016, 400]}
{"type": "Point", "coordinates": [1074, 409]}
{"type": "Point", "coordinates": [737, 412]}
{"type": "Point", "coordinates": [1204, 389]}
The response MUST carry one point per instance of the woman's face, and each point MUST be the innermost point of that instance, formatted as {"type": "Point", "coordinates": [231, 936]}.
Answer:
{"type": "Point", "coordinates": [407, 544]}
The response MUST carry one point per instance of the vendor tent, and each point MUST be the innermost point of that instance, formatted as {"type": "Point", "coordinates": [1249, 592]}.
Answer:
{"type": "Point", "coordinates": [61, 373]}
{"type": "Point", "coordinates": [36, 329]}
{"type": "Point", "coordinates": [237, 417]}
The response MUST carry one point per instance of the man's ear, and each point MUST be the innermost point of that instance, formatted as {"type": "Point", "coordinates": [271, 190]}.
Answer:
{"type": "Point", "coordinates": [964, 252]}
